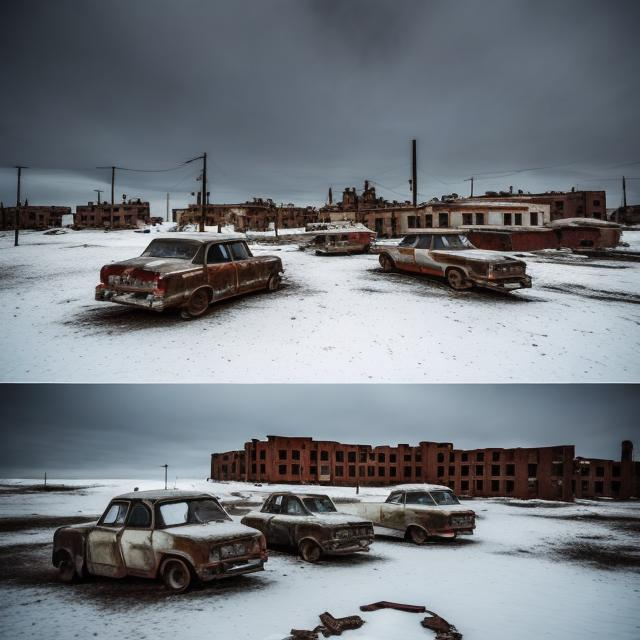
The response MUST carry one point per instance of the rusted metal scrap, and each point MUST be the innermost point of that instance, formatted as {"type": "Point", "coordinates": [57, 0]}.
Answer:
{"type": "Point", "coordinates": [336, 626]}
{"type": "Point", "coordinates": [444, 630]}
{"type": "Point", "coordinates": [385, 604]}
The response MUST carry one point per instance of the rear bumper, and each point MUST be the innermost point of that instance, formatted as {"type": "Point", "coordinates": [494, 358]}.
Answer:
{"type": "Point", "coordinates": [504, 284]}
{"type": "Point", "coordinates": [132, 299]}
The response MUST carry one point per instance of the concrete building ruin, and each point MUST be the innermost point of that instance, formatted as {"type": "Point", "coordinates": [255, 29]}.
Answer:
{"type": "Point", "coordinates": [126, 215]}
{"type": "Point", "coordinates": [548, 473]}
{"type": "Point", "coordinates": [33, 216]}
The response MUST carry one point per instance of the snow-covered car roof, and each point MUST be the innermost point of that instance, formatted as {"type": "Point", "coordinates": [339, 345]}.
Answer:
{"type": "Point", "coordinates": [169, 494]}
{"type": "Point", "coordinates": [299, 494]}
{"type": "Point", "coordinates": [201, 237]}
{"type": "Point", "coordinates": [421, 487]}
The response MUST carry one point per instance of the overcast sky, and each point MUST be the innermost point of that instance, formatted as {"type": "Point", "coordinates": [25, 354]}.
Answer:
{"type": "Point", "coordinates": [128, 431]}
{"type": "Point", "coordinates": [291, 96]}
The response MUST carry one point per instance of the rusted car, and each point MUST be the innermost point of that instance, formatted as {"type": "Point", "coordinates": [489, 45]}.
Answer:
{"type": "Point", "coordinates": [189, 272]}
{"type": "Point", "coordinates": [310, 523]}
{"type": "Point", "coordinates": [449, 254]}
{"type": "Point", "coordinates": [175, 535]}
{"type": "Point", "coordinates": [417, 513]}
{"type": "Point", "coordinates": [342, 242]}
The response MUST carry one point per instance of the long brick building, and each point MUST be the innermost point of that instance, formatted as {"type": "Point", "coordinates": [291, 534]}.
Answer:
{"type": "Point", "coordinates": [550, 473]}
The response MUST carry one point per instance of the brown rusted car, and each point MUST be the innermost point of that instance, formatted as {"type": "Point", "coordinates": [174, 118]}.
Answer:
{"type": "Point", "coordinates": [449, 254]}
{"type": "Point", "coordinates": [189, 272]}
{"type": "Point", "coordinates": [310, 523]}
{"type": "Point", "coordinates": [417, 513]}
{"type": "Point", "coordinates": [175, 535]}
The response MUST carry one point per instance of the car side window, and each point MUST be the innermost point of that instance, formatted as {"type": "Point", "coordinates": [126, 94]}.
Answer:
{"type": "Point", "coordinates": [140, 517]}
{"type": "Point", "coordinates": [239, 251]}
{"type": "Point", "coordinates": [408, 241]}
{"type": "Point", "coordinates": [217, 253]}
{"type": "Point", "coordinates": [273, 505]}
{"type": "Point", "coordinates": [115, 515]}
{"type": "Point", "coordinates": [294, 507]}
{"type": "Point", "coordinates": [395, 499]}
{"type": "Point", "coordinates": [439, 243]}
{"type": "Point", "coordinates": [424, 242]}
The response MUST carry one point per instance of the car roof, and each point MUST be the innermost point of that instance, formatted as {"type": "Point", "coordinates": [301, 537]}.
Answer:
{"type": "Point", "coordinates": [202, 238]}
{"type": "Point", "coordinates": [169, 494]}
{"type": "Point", "coordinates": [421, 487]}
{"type": "Point", "coordinates": [302, 494]}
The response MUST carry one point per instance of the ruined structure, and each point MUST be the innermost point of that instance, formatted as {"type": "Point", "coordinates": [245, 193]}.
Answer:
{"type": "Point", "coordinates": [33, 216]}
{"type": "Point", "coordinates": [126, 215]}
{"type": "Point", "coordinates": [550, 473]}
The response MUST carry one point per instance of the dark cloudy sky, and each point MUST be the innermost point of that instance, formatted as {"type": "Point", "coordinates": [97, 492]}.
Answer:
{"type": "Point", "coordinates": [292, 96]}
{"type": "Point", "coordinates": [130, 430]}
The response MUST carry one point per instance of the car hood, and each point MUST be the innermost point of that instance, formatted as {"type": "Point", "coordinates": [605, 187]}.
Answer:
{"type": "Point", "coordinates": [155, 265]}
{"type": "Point", "coordinates": [212, 532]}
{"type": "Point", "coordinates": [475, 254]}
{"type": "Point", "coordinates": [449, 508]}
{"type": "Point", "coordinates": [329, 519]}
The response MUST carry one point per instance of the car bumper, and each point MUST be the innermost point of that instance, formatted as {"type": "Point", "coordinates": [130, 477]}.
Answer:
{"type": "Point", "coordinates": [505, 284]}
{"type": "Point", "coordinates": [343, 547]}
{"type": "Point", "coordinates": [229, 568]}
{"type": "Point", "coordinates": [452, 533]}
{"type": "Point", "coordinates": [132, 299]}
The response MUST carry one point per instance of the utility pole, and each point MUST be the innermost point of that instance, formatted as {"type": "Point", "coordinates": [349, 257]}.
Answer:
{"type": "Point", "coordinates": [99, 191]}
{"type": "Point", "coordinates": [113, 186]}
{"type": "Point", "coordinates": [624, 192]}
{"type": "Point", "coordinates": [414, 173]}
{"type": "Point", "coordinates": [471, 181]}
{"type": "Point", "coordinates": [203, 200]}
{"type": "Point", "coordinates": [167, 207]}
{"type": "Point", "coordinates": [17, 217]}
{"type": "Point", "coordinates": [166, 466]}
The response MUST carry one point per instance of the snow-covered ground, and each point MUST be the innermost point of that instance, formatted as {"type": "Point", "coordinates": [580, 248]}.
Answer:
{"type": "Point", "coordinates": [337, 319]}
{"type": "Point", "coordinates": [522, 575]}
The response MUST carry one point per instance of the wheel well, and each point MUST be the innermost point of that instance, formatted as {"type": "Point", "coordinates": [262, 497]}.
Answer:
{"type": "Point", "coordinates": [175, 556]}
{"type": "Point", "coordinates": [414, 526]}
{"type": "Point", "coordinates": [309, 539]}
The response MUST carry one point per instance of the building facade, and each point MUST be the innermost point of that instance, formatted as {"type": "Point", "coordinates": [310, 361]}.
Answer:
{"type": "Point", "coordinates": [125, 215]}
{"type": "Point", "coordinates": [549, 473]}
{"type": "Point", "coordinates": [33, 217]}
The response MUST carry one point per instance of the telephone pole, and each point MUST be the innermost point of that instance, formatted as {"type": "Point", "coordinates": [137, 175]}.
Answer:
{"type": "Point", "coordinates": [167, 207]}
{"type": "Point", "coordinates": [165, 466]}
{"type": "Point", "coordinates": [624, 192]}
{"type": "Point", "coordinates": [113, 188]}
{"type": "Point", "coordinates": [204, 191]}
{"type": "Point", "coordinates": [471, 181]}
{"type": "Point", "coordinates": [99, 191]}
{"type": "Point", "coordinates": [17, 217]}
{"type": "Point", "coordinates": [414, 173]}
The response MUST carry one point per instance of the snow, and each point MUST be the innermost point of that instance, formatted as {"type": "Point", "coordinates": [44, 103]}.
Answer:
{"type": "Point", "coordinates": [507, 581]}
{"type": "Point", "coordinates": [336, 319]}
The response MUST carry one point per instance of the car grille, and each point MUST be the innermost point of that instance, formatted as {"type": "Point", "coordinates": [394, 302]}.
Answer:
{"type": "Point", "coordinates": [507, 269]}
{"type": "Point", "coordinates": [233, 550]}
{"type": "Point", "coordinates": [462, 521]}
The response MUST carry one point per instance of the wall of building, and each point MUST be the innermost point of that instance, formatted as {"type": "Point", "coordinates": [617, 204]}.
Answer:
{"type": "Point", "coordinates": [125, 214]}
{"type": "Point", "coordinates": [33, 217]}
{"type": "Point", "coordinates": [549, 473]}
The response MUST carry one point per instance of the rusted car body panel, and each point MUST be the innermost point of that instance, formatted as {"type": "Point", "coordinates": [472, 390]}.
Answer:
{"type": "Point", "coordinates": [398, 515]}
{"type": "Point", "coordinates": [342, 242]}
{"type": "Point", "coordinates": [422, 252]}
{"type": "Point", "coordinates": [334, 532]}
{"type": "Point", "coordinates": [214, 550]}
{"type": "Point", "coordinates": [160, 283]}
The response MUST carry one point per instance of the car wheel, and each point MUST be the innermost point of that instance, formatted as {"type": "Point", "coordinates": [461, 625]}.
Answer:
{"type": "Point", "coordinates": [309, 551]}
{"type": "Point", "coordinates": [387, 263]}
{"type": "Point", "coordinates": [176, 575]}
{"type": "Point", "coordinates": [274, 282]}
{"type": "Point", "coordinates": [457, 280]}
{"type": "Point", "coordinates": [198, 303]}
{"type": "Point", "coordinates": [417, 535]}
{"type": "Point", "coordinates": [66, 568]}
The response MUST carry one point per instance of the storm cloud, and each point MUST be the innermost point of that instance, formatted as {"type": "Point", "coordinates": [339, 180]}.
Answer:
{"type": "Point", "coordinates": [99, 431]}
{"type": "Point", "coordinates": [290, 97]}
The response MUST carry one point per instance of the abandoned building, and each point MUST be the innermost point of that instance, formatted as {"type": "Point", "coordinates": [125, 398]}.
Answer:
{"type": "Point", "coordinates": [549, 473]}
{"type": "Point", "coordinates": [123, 215]}
{"type": "Point", "coordinates": [256, 215]}
{"type": "Point", "coordinates": [33, 216]}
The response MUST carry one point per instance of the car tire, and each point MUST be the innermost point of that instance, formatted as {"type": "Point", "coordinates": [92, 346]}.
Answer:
{"type": "Point", "coordinates": [457, 280]}
{"type": "Point", "coordinates": [274, 282]}
{"type": "Point", "coordinates": [176, 575]}
{"type": "Point", "coordinates": [66, 568]}
{"type": "Point", "coordinates": [309, 551]}
{"type": "Point", "coordinates": [417, 535]}
{"type": "Point", "coordinates": [198, 303]}
{"type": "Point", "coordinates": [387, 263]}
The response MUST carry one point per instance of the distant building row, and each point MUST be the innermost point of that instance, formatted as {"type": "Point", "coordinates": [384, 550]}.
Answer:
{"type": "Point", "coordinates": [549, 473]}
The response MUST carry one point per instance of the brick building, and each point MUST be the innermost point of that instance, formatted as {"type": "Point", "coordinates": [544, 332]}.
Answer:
{"type": "Point", "coordinates": [550, 473]}
{"type": "Point", "coordinates": [126, 215]}
{"type": "Point", "coordinates": [33, 216]}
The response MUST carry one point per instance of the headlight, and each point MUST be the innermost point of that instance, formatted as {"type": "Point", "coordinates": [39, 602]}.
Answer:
{"type": "Point", "coordinates": [214, 555]}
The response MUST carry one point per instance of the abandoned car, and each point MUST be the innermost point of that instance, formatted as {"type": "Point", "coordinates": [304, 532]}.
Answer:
{"type": "Point", "coordinates": [189, 272]}
{"type": "Point", "coordinates": [176, 535]}
{"type": "Point", "coordinates": [449, 254]}
{"type": "Point", "coordinates": [342, 241]}
{"type": "Point", "coordinates": [417, 513]}
{"type": "Point", "coordinates": [311, 524]}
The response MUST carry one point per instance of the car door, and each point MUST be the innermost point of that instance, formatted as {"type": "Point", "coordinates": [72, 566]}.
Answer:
{"type": "Point", "coordinates": [424, 258]}
{"type": "Point", "coordinates": [282, 527]}
{"type": "Point", "coordinates": [136, 545]}
{"type": "Point", "coordinates": [222, 274]}
{"type": "Point", "coordinates": [404, 255]}
{"type": "Point", "coordinates": [250, 274]}
{"type": "Point", "coordinates": [104, 557]}
{"type": "Point", "coordinates": [392, 512]}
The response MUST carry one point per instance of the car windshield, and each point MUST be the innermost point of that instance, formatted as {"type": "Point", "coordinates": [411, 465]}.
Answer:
{"type": "Point", "coordinates": [444, 497]}
{"type": "Point", "coordinates": [452, 242]}
{"type": "Point", "coordinates": [181, 249]}
{"type": "Point", "coordinates": [319, 504]}
{"type": "Point", "coordinates": [196, 511]}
